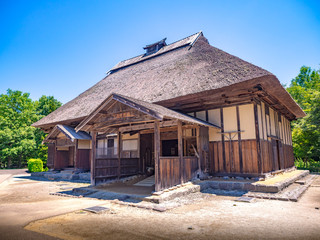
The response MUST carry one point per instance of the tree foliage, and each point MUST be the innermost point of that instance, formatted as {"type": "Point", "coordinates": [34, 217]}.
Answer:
{"type": "Point", "coordinates": [305, 89]}
{"type": "Point", "coordinates": [19, 141]}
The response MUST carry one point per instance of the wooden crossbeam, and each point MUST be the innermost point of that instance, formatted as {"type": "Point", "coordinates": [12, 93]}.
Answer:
{"type": "Point", "coordinates": [147, 126]}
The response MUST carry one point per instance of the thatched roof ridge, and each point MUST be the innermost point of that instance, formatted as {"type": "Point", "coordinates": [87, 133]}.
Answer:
{"type": "Point", "coordinates": [182, 71]}
{"type": "Point", "coordinates": [180, 43]}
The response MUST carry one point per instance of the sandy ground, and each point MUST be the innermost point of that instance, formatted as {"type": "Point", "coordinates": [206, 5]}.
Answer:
{"type": "Point", "coordinates": [23, 200]}
{"type": "Point", "coordinates": [210, 217]}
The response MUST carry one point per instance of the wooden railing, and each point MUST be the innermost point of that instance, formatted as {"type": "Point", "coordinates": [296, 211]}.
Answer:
{"type": "Point", "coordinates": [170, 173]}
{"type": "Point", "coordinates": [107, 168]}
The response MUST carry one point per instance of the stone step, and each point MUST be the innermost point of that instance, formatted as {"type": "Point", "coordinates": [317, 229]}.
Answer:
{"type": "Point", "coordinates": [290, 193]}
{"type": "Point", "coordinates": [260, 186]}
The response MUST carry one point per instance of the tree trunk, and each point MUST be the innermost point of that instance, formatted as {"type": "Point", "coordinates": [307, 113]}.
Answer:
{"type": "Point", "coordinates": [9, 163]}
{"type": "Point", "coordinates": [19, 162]}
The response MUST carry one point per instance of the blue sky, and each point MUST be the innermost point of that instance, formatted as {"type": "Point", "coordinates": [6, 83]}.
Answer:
{"type": "Point", "coordinates": [61, 48]}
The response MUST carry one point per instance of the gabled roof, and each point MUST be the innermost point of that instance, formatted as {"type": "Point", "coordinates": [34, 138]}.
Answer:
{"type": "Point", "coordinates": [186, 67]}
{"type": "Point", "coordinates": [178, 44]}
{"type": "Point", "coordinates": [69, 132]}
{"type": "Point", "coordinates": [156, 111]}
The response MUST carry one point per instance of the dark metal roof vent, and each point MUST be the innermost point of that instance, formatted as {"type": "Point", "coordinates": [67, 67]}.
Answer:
{"type": "Point", "coordinates": [155, 47]}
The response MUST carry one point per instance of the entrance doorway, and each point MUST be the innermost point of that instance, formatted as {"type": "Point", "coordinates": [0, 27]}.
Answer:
{"type": "Point", "coordinates": [147, 153]}
{"type": "Point", "coordinates": [276, 155]}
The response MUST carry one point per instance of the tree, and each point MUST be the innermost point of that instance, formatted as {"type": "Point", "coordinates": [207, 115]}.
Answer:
{"type": "Point", "coordinates": [16, 135]}
{"type": "Point", "coordinates": [18, 140]}
{"type": "Point", "coordinates": [46, 105]}
{"type": "Point", "coordinates": [305, 89]}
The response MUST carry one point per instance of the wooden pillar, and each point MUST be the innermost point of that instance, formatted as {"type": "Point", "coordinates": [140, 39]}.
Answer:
{"type": "Point", "coordinates": [54, 155]}
{"type": "Point", "coordinates": [75, 155]}
{"type": "Point", "coordinates": [180, 152]}
{"type": "Point", "coordinates": [119, 153]}
{"type": "Point", "coordinates": [204, 148]}
{"type": "Point", "coordinates": [139, 156]}
{"type": "Point", "coordinates": [257, 137]}
{"type": "Point", "coordinates": [157, 155]}
{"type": "Point", "coordinates": [222, 139]}
{"type": "Point", "coordinates": [93, 157]}
{"type": "Point", "coordinates": [199, 148]}
{"type": "Point", "coordinates": [239, 140]}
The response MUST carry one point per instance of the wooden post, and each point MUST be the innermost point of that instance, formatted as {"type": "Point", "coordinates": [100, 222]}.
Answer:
{"type": "Point", "coordinates": [239, 140]}
{"type": "Point", "coordinates": [203, 140]}
{"type": "Point", "coordinates": [139, 156]}
{"type": "Point", "coordinates": [93, 157]}
{"type": "Point", "coordinates": [157, 155]}
{"type": "Point", "coordinates": [75, 162]}
{"type": "Point", "coordinates": [180, 151]}
{"type": "Point", "coordinates": [222, 138]}
{"type": "Point", "coordinates": [199, 148]}
{"type": "Point", "coordinates": [257, 137]}
{"type": "Point", "coordinates": [55, 155]}
{"type": "Point", "coordinates": [119, 157]}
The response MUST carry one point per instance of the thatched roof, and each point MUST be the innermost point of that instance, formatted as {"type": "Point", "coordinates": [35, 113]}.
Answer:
{"type": "Point", "coordinates": [68, 131]}
{"type": "Point", "coordinates": [186, 67]}
{"type": "Point", "coordinates": [155, 111]}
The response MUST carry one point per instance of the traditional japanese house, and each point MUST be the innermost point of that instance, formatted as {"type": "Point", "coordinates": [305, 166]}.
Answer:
{"type": "Point", "coordinates": [180, 111]}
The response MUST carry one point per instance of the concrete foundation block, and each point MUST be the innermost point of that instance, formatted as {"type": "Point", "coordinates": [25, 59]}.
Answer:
{"type": "Point", "coordinates": [248, 187]}
{"type": "Point", "coordinates": [214, 185]}
{"type": "Point", "coordinates": [238, 186]}
{"type": "Point", "coordinates": [85, 176]}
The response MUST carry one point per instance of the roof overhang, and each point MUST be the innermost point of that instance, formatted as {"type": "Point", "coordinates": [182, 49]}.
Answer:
{"type": "Point", "coordinates": [153, 111]}
{"type": "Point", "coordinates": [69, 132]}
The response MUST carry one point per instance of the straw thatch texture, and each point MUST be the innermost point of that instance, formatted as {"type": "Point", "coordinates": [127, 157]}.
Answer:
{"type": "Point", "coordinates": [178, 72]}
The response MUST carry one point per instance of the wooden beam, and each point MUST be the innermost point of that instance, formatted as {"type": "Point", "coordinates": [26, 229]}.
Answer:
{"type": "Point", "coordinates": [87, 119]}
{"type": "Point", "coordinates": [222, 139]}
{"type": "Point", "coordinates": [119, 157]}
{"type": "Point", "coordinates": [55, 155]}
{"type": "Point", "coordinates": [239, 139]}
{"type": "Point", "coordinates": [93, 157]}
{"type": "Point", "coordinates": [199, 148]}
{"type": "Point", "coordinates": [157, 155]}
{"type": "Point", "coordinates": [147, 126]}
{"type": "Point", "coordinates": [165, 129]}
{"type": "Point", "coordinates": [105, 128]}
{"type": "Point", "coordinates": [75, 162]}
{"type": "Point", "coordinates": [139, 154]}
{"type": "Point", "coordinates": [180, 152]}
{"type": "Point", "coordinates": [137, 107]}
{"type": "Point", "coordinates": [256, 120]}
{"type": "Point", "coordinates": [111, 122]}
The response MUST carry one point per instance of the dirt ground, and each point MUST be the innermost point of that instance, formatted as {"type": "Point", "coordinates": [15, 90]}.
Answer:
{"type": "Point", "coordinates": [28, 204]}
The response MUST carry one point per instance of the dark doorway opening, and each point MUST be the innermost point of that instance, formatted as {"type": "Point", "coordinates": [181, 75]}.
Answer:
{"type": "Point", "coordinates": [146, 153]}
{"type": "Point", "coordinates": [169, 148]}
{"type": "Point", "coordinates": [276, 155]}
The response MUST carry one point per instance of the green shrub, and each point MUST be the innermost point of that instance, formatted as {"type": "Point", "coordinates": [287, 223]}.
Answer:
{"type": "Point", "coordinates": [35, 165]}
{"type": "Point", "coordinates": [311, 165]}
